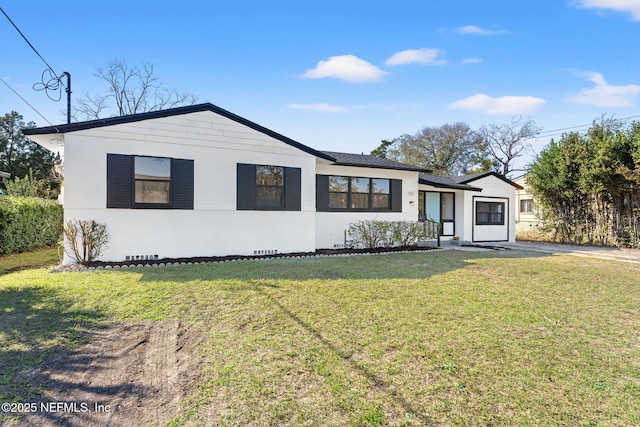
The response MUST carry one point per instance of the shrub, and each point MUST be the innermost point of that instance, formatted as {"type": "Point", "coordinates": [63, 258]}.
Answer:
{"type": "Point", "coordinates": [28, 223]}
{"type": "Point", "coordinates": [86, 239]}
{"type": "Point", "coordinates": [374, 234]}
{"type": "Point", "coordinates": [30, 187]}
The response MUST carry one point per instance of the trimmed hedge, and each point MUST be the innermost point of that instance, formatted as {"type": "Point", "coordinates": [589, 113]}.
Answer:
{"type": "Point", "coordinates": [28, 223]}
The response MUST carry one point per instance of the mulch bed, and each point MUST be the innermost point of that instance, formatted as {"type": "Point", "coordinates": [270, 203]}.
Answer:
{"type": "Point", "coordinates": [99, 265]}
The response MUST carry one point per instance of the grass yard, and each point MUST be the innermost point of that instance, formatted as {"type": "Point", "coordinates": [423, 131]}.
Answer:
{"type": "Point", "coordinates": [441, 338]}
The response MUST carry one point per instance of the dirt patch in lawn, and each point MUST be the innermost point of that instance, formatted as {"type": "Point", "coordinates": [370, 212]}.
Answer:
{"type": "Point", "coordinates": [126, 375]}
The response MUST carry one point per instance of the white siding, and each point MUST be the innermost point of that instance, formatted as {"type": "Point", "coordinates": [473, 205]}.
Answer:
{"type": "Point", "coordinates": [214, 227]}
{"type": "Point", "coordinates": [493, 189]}
{"type": "Point", "coordinates": [330, 226]}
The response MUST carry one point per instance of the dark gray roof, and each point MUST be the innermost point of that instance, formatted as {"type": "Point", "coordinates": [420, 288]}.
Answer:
{"type": "Point", "coordinates": [445, 182]}
{"type": "Point", "coordinates": [465, 179]}
{"type": "Point", "coordinates": [6, 175]}
{"type": "Point", "coordinates": [364, 160]}
{"type": "Point", "coordinates": [91, 124]}
{"type": "Point", "coordinates": [461, 182]}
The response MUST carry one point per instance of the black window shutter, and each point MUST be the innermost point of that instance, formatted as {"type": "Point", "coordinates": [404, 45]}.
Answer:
{"type": "Point", "coordinates": [322, 193]}
{"type": "Point", "coordinates": [396, 195]}
{"type": "Point", "coordinates": [182, 183]}
{"type": "Point", "coordinates": [119, 181]}
{"type": "Point", "coordinates": [292, 189]}
{"type": "Point", "coordinates": [246, 187]}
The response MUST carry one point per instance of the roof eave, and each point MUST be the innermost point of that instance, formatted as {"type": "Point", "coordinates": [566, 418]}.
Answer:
{"type": "Point", "coordinates": [450, 186]}
{"type": "Point", "coordinates": [497, 175]}
{"type": "Point", "coordinates": [360, 165]}
{"type": "Point", "coordinates": [92, 124]}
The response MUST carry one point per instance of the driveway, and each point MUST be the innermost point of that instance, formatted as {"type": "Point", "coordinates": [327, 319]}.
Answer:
{"type": "Point", "coordinates": [619, 254]}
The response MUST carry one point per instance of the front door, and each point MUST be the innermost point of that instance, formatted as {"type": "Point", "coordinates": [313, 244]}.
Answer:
{"type": "Point", "coordinates": [438, 207]}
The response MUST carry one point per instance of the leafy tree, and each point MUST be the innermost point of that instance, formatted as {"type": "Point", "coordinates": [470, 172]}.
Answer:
{"type": "Point", "coordinates": [129, 90]}
{"type": "Point", "coordinates": [449, 149]}
{"type": "Point", "coordinates": [382, 149]}
{"type": "Point", "coordinates": [554, 177]}
{"type": "Point", "coordinates": [506, 142]}
{"type": "Point", "coordinates": [588, 184]}
{"type": "Point", "coordinates": [22, 157]}
{"type": "Point", "coordinates": [30, 187]}
{"type": "Point", "coordinates": [632, 172]}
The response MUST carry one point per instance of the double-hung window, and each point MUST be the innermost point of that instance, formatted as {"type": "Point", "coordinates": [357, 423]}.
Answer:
{"type": "Point", "coordinates": [526, 206]}
{"type": "Point", "coordinates": [360, 192]}
{"type": "Point", "coordinates": [338, 192]}
{"type": "Point", "coordinates": [270, 187]}
{"type": "Point", "coordinates": [145, 182]}
{"type": "Point", "coordinates": [152, 177]}
{"type": "Point", "coordinates": [380, 189]}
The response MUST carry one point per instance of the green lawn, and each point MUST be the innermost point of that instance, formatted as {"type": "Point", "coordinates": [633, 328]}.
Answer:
{"type": "Point", "coordinates": [439, 338]}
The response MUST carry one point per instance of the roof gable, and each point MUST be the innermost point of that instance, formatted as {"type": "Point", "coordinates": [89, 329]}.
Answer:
{"type": "Point", "coordinates": [111, 121]}
{"type": "Point", "coordinates": [465, 179]}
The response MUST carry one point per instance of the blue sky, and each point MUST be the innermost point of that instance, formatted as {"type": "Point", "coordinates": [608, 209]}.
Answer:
{"type": "Point", "coordinates": [343, 75]}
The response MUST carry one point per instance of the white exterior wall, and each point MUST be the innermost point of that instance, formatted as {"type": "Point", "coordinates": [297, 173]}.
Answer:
{"type": "Point", "coordinates": [493, 190]}
{"type": "Point", "coordinates": [330, 226]}
{"type": "Point", "coordinates": [214, 226]}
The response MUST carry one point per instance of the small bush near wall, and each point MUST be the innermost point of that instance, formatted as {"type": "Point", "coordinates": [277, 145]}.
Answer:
{"type": "Point", "coordinates": [387, 234]}
{"type": "Point", "coordinates": [86, 239]}
{"type": "Point", "coordinates": [28, 223]}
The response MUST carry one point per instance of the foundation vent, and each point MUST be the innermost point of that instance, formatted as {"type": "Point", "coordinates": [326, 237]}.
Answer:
{"type": "Point", "coordinates": [265, 252]}
{"type": "Point", "coordinates": [141, 257]}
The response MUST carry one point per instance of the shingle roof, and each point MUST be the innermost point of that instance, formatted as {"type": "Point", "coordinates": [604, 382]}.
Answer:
{"type": "Point", "coordinates": [91, 124]}
{"type": "Point", "coordinates": [445, 182]}
{"type": "Point", "coordinates": [364, 160]}
{"type": "Point", "coordinates": [465, 179]}
{"type": "Point", "coordinates": [461, 182]}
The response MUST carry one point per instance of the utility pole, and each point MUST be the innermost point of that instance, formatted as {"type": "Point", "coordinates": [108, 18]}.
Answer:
{"type": "Point", "coordinates": [68, 90]}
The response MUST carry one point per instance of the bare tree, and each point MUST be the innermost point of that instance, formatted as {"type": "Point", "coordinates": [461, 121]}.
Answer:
{"type": "Point", "coordinates": [133, 89]}
{"type": "Point", "coordinates": [508, 141]}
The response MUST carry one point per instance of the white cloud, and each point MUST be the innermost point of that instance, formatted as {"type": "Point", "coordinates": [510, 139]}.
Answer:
{"type": "Point", "coordinates": [416, 56]}
{"type": "Point", "coordinates": [512, 105]}
{"type": "Point", "coordinates": [474, 30]}
{"type": "Point", "coordinates": [627, 6]}
{"type": "Point", "coordinates": [606, 95]}
{"type": "Point", "coordinates": [349, 68]}
{"type": "Point", "coordinates": [320, 108]}
{"type": "Point", "coordinates": [472, 61]}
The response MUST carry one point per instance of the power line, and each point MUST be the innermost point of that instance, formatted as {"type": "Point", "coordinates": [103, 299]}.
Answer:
{"type": "Point", "coordinates": [560, 131]}
{"type": "Point", "coordinates": [54, 84]}
{"type": "Point", "coordinates": [25, 101]}
{"type": "Point", "coordinates": [27, 40]}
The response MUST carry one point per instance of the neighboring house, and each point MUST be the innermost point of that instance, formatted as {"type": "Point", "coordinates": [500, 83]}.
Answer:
{"type": "Point", "coordinates": [201, 181]}
{"type": "Point", "coordinates": [527, 217]}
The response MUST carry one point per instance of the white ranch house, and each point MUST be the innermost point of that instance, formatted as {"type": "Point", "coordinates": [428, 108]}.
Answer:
{"type": "Point", "coordinates": [201, 181]}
